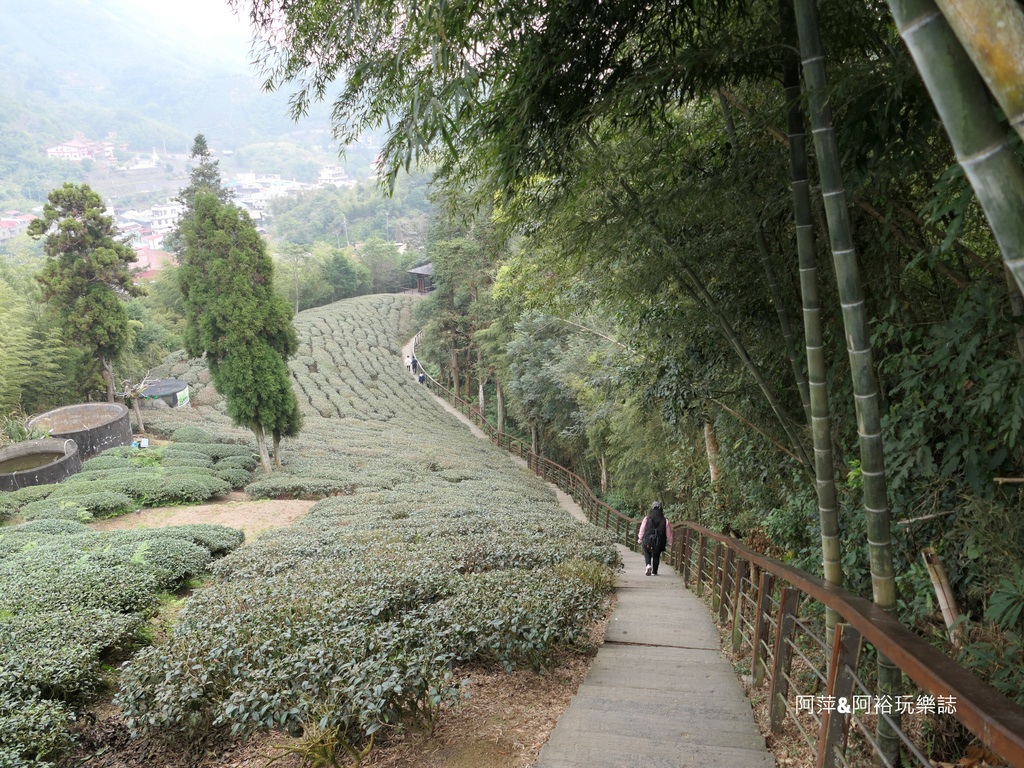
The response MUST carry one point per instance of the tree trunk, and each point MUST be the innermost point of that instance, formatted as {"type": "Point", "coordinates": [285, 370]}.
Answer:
{"type": "Point", "coordinates": [858, 341]}
{"type": "Point", "coordinates": [138, 415]}
{"type": "Point", "coordinates": [978, 139]}
{"type": "Point", "coordinates": [603, 462]}
{"type": "Point", "coordinates": [500, 397]}
{"type": "Point", "coordinates": [534, 438]}
{"type": "Point", "coordinates": [261, 446]}
{"type": "Point", "coordinates": [746, 185]}
{"type": "Point", "coordinates": [817, 369]}
{"type": "Point", "coordinates": [456, 374]}
{"type": "Point", "coordinates": [108, 376]}
{"type": "Point", "coordinates": [711, 446]}
{"type": "Point", "coordinates": [480, 382]}
{"type": "Point", "coordinates": [277, 450]}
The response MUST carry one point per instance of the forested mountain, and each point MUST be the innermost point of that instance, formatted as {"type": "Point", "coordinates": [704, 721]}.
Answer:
{"type": "Point", "coordinates": [107, 69]}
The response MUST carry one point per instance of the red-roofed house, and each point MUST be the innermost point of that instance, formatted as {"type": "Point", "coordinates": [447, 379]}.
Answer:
{"type": "Point", "coordinates": [150, 262]}
{"type": "Point", "coordinates": [13, 223]}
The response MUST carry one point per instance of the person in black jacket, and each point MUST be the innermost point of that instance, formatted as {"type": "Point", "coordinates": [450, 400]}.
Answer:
{"type": "Point", "coordinates": [655, 534]}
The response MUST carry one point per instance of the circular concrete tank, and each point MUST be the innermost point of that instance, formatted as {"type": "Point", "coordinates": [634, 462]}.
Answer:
{"type": "Point", "coordinates": [38, 462]}
{"type": "Point", "coordinates": [94, 426]}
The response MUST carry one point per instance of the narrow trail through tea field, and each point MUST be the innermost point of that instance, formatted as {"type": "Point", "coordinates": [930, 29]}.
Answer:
{"type": "Point", "coordinates": [660, 693]}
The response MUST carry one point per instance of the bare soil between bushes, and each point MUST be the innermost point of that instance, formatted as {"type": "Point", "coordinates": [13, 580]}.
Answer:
{"type": "Point", "coordinates": [236, 510]}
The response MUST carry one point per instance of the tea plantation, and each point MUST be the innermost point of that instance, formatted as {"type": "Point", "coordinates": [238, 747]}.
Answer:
{"type": "Point", "coordinates": [428, 549]}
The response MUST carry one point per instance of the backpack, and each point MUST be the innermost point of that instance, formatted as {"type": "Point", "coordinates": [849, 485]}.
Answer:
{"type": "Point", "coordinates": [654, 537]}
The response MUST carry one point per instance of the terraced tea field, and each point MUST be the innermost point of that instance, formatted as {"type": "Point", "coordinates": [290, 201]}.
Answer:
{"type": "Point", "coordinates": [428, 550]}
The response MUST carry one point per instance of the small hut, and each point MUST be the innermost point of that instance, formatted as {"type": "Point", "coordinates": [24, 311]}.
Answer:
{"type": "Point", "coordinates": [166, 393]}
{"type": "Point", "coordinates": [424, 275]}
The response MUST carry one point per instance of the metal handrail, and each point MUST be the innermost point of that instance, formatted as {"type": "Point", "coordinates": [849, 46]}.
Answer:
{"type": "Point", "coordinates": [993, 718]}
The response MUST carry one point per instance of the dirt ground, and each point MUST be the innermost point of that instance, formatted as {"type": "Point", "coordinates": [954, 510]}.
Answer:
{"type": "Point", "coordinates": [236, 510]}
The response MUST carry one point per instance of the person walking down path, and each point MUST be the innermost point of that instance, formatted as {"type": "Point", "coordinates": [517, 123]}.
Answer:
{"type": "Point", "coordinates": [655, 534]}
{"type": "Point", "coordinates": [408, 363]}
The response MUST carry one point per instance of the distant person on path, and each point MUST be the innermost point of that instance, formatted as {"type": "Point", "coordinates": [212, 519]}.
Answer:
{"type": "Point", "coordinates": [415, 364]}
{"type": "Point", "coordinates": [423, 377]}
{"type": "Point", "coordinates": [655, 534]}
{"type": "Point", "coordinates": [408, 363]}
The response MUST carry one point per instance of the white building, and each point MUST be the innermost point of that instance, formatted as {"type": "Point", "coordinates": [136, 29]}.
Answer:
{"type": "Point", "coordinates": [336, 175]}
{"type": "Point", "coordinates": [164, 217]}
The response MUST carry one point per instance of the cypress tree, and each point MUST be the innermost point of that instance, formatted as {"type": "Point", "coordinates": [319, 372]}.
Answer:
{"type": "Point", "coordinates": [87, 274]}
{"type": "Point", "coordinates": [234, 317]}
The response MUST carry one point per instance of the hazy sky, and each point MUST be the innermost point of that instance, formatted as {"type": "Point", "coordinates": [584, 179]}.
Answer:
{"type": "Point", "coordinates": [204, 18]}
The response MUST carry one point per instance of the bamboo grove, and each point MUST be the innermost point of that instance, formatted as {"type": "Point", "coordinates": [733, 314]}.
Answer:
{"type": "Point", "coordinates": [638, 217]}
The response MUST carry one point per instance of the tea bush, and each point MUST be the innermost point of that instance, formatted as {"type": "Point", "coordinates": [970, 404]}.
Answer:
{"type": "Point", "coordinates": [190, 434]}
{"type": "Point", "coordinates": [69, 597]}
{"type": "Point", "coordinates": [57, 653]}
{"type": "Point", "coordinates": [32, 729]}
{"type": "Point", "coordinates": [428, 548]}
{"type": "Point", "coordinates": [82, 507]}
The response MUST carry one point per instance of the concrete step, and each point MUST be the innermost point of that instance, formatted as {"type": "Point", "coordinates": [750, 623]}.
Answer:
{"type": "Point", "coordinates": [638, 753]}
{"type": "Point", "coordinates": [695, 728]}
{"type": "Point", "coordinates": [661, 702]}
{"type": "Point", "coordinates": [666, 704]}
{"type": "Point", "coordinates": [712, 683]}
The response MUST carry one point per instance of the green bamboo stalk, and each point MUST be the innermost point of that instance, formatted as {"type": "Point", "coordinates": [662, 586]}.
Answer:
{"type": "Point", "coordinates": [769, 271]}
{"type": "Point", "coordinates": [858, 344]}
{"type": "Point", "coordinates": [992, 34]}
{"type": "Point", "coordinates": [817, 370]}
{"type": "Point", "coordinates": [979, 141]}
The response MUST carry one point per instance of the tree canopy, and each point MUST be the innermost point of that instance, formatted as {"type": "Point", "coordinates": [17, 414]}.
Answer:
{"type": "Point", "coordinates": [87, 274]}
{"type": "Point", "coordinates": [234, 318]}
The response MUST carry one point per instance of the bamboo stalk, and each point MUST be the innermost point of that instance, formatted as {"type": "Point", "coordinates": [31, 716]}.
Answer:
{"type": "Point", "coordinates": [992, 34]}
{"type": "Point", "coordinates": [817, 367]}
{"type": "Point", "coordinates": [858, 342]}
{"type": "Point", "coordinates": [944, 593]}
{"type": "Point", "coordinates": [979, 141]}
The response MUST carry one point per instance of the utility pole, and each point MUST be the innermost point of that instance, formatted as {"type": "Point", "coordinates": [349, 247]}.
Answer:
{"type": "Point", "coordinates": [344, 224]}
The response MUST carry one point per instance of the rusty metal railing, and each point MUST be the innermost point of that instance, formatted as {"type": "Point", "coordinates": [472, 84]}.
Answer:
{"type": "Point", "coordinates": [764, 606]}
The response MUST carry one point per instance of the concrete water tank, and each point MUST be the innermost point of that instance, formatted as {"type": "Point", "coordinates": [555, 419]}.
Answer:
{"type": "Point", "coordinates": [38, 462]}
{"type": "Point", "coordinates": [95, 427]}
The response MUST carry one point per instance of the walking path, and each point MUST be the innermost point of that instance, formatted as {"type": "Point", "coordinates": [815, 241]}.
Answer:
{"type": "Point", "coordinates": [660, 693]}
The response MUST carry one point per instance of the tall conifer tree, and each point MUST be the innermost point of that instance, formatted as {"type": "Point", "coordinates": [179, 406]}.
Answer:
{"type": "Point", "coordinates": [234, 317]}
{"type": "Point", "coordinates": [86, 276]}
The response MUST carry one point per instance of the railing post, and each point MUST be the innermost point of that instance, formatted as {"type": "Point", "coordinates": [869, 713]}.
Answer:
{"type": "Point", "coordinates": [783, 656]}
{"type": "Point", "coordinates": [842, 668]}
{"type": "Point", "coordinates": [737, 605]}
{"type": "Point", "coordinates": [686, 556]}
{"type": "Point", "coordinates": [764, 600]}
{"type": "Point", "coordinates": [716, 598]}
{"type": "Point", "coordinates": [728, 559]}
{"type": "Point", "coordinates": [700, 565]}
